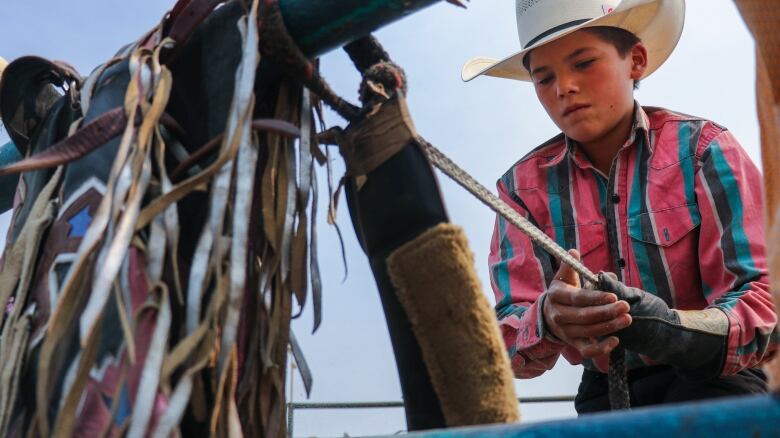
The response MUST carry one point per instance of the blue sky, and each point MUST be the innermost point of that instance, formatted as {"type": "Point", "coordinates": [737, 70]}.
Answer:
{"type": "Point", "coordinates": [484, 125]}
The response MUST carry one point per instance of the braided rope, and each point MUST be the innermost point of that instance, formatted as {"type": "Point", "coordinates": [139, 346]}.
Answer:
{"type": "Point", "coordinates": [617, 377]}
{"type": "Point", "coordinates": [465, 180]}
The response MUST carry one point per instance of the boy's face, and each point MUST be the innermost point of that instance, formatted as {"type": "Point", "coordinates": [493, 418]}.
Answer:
{"type": "Point", "coordinates": [584, 84]}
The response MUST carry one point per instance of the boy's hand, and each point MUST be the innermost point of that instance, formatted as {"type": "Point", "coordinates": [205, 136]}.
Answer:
{"type": "Point", "coordinates": [693, 341]}
{"type": "Point", "coordinates": [579, 317]}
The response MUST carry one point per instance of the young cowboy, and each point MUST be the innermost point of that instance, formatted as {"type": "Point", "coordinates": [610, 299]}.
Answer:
{"type": "Point", "coordinates": [670, 203]}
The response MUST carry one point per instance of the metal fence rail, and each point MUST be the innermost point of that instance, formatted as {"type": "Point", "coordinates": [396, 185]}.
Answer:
{"type": "Point", "coordinates": [291, 407]}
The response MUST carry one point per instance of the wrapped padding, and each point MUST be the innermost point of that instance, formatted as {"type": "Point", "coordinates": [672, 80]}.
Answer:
{"type": "Point", "coordinates": [455, 326]}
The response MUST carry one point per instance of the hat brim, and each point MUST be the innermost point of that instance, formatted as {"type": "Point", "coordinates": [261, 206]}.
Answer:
{"type": "Point", "coordinates": [658, 24]}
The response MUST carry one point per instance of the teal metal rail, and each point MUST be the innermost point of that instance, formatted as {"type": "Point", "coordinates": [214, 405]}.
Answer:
{"type": "Point", "coordinates": [319, 26]}
{"type": "Point", "coordinates": [748, 417]}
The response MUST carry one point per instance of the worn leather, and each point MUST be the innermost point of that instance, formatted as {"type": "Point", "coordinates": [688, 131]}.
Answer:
{"type": "Point", "coordinates": [378, 137]}
{"type": "Point", "coordinates": [38, 116]}
{"type": "Point", "coordinates": [28, 92]}
{"type": "Point", "coordinates": [692, 341]}
{"type": "Point", "coordinates": [82, 142]}
{"type": "Point", "coordinates": [184, 21]}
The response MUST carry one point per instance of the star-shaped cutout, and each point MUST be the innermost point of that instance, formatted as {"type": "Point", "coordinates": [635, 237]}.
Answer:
{"type": "Point", "coordinates": [79, 223]}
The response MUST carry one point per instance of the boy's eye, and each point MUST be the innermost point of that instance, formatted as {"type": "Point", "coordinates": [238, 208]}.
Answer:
{"type": "Point", "coordinates": [584, 64]}
{"type": "Point", "coordinates": [545, 80]}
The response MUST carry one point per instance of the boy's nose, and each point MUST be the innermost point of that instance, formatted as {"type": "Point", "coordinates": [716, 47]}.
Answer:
{"type": "Point", "coordinates": [566, 85]}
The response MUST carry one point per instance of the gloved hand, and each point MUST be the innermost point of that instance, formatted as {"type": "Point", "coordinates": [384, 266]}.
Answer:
{"type": "Point", "coordinates": [694, 341]}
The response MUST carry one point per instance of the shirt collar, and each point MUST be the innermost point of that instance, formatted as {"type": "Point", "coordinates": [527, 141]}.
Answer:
{"type": "Point", "coordinates": [640, 127]}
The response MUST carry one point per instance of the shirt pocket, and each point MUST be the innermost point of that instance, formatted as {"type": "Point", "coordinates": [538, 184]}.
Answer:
{"type": "Point", "coordinates": [665, 244]}
{"type": "Point", "coordinates": [665, 227]}
{"type": "Point", "coordinates": [671, 185]}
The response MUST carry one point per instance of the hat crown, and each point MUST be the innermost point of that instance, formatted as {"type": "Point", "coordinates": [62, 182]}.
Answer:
{"type": "Point", "coordinates": [537, 19]}
{"type": "Point", "coordinates": [657, 23]}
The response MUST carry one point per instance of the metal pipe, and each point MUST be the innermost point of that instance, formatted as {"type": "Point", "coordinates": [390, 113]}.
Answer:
{"type": "Point", "coordinates": [290, 420]}
{"type": "Point", "coordinates": [400, 404]}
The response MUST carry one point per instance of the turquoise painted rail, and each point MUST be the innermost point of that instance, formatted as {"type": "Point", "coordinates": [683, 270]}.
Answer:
{"type": "Point", "coordinates": [319, 26]}
{"type": "Point", "coordinates": [749, 417]}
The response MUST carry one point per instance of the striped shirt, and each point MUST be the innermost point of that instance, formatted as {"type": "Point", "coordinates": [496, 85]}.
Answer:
{"type": "Point", "coordinates": [679, 216]}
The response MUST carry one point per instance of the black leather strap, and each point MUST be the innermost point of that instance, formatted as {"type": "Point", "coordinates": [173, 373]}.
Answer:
{"type": "Point", "coordinates": [82, 142]}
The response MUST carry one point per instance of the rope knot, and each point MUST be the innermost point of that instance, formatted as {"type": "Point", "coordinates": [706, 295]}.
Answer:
{"type": "Point", "coordinates": [389, 75]}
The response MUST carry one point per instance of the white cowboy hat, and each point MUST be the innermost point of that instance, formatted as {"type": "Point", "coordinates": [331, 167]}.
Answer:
{"type": "Point", "coordinates": [658, 23]}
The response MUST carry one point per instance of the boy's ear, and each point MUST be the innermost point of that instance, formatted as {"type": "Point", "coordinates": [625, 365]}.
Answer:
{"type": "Point", "coordinates": [638, 61]}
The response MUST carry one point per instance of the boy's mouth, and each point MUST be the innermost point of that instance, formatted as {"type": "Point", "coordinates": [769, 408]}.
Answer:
{"type": "Point", "coordinates": [573, 108]}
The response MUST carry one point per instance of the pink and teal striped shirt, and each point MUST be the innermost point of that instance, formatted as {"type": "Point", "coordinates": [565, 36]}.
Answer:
{"type": "Point", "coordinates": [679, 216]}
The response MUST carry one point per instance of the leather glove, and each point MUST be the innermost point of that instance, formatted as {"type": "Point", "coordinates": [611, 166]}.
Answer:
{"type": "Point", "coordinates": [693, 341]}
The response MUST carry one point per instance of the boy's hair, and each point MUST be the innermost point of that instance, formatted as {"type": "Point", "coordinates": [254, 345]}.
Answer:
{"type": "Point", "coordinates": [622, 39]}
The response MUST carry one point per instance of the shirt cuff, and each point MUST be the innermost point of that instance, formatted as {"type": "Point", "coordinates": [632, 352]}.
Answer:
{"type": "Point", "coordinates": [541, 328]}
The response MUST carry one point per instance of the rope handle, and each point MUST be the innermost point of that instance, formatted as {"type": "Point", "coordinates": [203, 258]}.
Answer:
{"type": "Point", "coordinates": [460, 176]}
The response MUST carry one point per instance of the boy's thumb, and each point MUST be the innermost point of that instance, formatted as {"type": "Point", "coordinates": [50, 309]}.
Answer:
{"type": "Point", "coordinates": [566, 273]}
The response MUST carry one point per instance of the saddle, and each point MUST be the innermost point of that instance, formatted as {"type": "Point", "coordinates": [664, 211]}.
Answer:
{"type": "Point", "coordinates": [162, 233]}
{"type": "Point", "coordinates": [114, 331]}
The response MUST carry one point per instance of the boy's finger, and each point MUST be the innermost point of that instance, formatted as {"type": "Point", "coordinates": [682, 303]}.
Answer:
{"type": "Point", "coordinates": [591, 314]}
{"type": "Point", "coordinates": [589, 297]}
{"type": "Point", "coordinates": [582, 297]}
{"type": "Point", "coordinates": [568, 275]}
{"type": "Point", "coordinates": [599, 329]}
{"type": "Point", "coordinates": [589, 349]}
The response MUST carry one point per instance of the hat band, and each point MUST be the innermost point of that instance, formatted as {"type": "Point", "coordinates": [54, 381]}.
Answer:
{"type": "Point", "coordinates": [555, 29]}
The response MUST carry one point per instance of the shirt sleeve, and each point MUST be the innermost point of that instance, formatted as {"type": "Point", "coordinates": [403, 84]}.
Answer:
{"type": "Point", "coordinates": [519, 274]}
{"type": "Point", "coordinates": [732, 258]}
